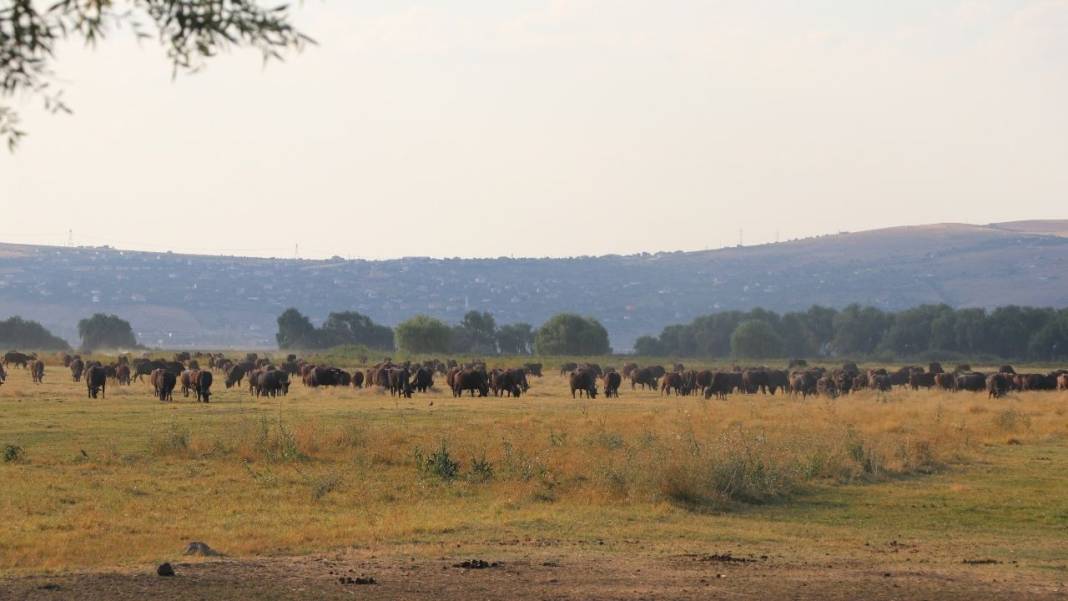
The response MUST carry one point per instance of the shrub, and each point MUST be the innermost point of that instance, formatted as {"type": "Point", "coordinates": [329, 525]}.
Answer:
{"type": "Point", "coordinates": [439, 463]}
{"type": "Point", "coordinates": [13, 453]}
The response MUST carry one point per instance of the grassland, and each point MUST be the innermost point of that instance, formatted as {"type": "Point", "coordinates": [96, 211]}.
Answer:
{"type": "Point", "coordinates": [881, 479]}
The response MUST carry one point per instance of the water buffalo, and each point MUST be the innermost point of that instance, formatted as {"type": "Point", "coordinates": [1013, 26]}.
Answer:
{"type": "Point", "coordinates": [671, 382]}
{"type": "Point", "coordinates": [96, 381]}
{"type": "Point", "coordinates": [163, 382]}
{"type": "Point", "coordinates": [612, 380]}
{"type": "Point", "coordinates": [719, 386]}
{"type": "Point", "coordinates": [400, 382]}
{"type": "Point", "coordinates": [503, 381]}
{"type": "Point", "coordinates": [584, 382]}
{"type": "Point", "coordinates": [18, 359]}
{"type": "Point", "coordinates": [77, 366]}
{"type": "Point", "coordinates": [643, 377]}
{"type": "Point", "coordinates": [37, 369]}
{"type": "Point", "coordinates": [357, 379]}
{"type": "Point", "coordinates": [471, 380]}
{"type": "Point", "coordinates": [997, 385]}
{"type": "Point", "coordinates": [920, 380]}
{"type": "Point", "coordinates": [423, 379]}
{"type": "Point", "coordinates": [122, 374]}
{"type": "Point", "coordinates": [202, 385]}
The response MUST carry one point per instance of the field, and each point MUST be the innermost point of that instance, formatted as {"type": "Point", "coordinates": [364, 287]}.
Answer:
{"type": "Point", "coordinates": [898, 495]}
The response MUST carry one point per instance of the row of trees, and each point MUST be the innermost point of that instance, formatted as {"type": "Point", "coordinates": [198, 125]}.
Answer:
{"type": "Point", "coordinates": [1010, 332]}
{"type": "Point", "coordinates": [295, 331]}
{"type": "Point", "coordinates": [96, 332]}
{"type": "Point", "coordinates": [478, 333]}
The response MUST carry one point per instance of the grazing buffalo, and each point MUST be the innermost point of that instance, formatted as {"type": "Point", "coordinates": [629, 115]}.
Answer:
{"type": "Point", "coordinates": [920, 380]}
{"type": "Point", "coordinates": [202, 385]}
{"type": "Point", "coordinates": [235, 374]}
{"type": "Point", "coordinates": [719, 386]}
{"type": "Point", "coordinates": [469, 379]}
{"type": "Point", "coordinates": [804, 382]}
{"type": "Point", "coordinates": [643, 377]}
{"type": "Point", "coordinates": [96, 381]}
{"type": "Point", "coordinates": [18, 359]}
{"type": "Point", "coordinates": [826, 386]}
{"type": "Point", "coordinates": [77, 366]}
{"type": "Point", "coordinates": [504, 382]}
{"type": "Point", "coordinates": [3, 374]}
{"type": "Point", "coordinates": [400, 382]}
{"type": "Point", "coordinates": [755, 380]}
{"type": "Point", "coordinates": [422, 379]}
{"type": "Point", "coordinates": [628, 368]}
{"type": "Point", "coordinates": [533, 369]}
{"type": "Point", "coordinates": [997, 385]}
{"type": "Point", "coordinates": [37, 371]}
{"type": "Point", "coordinates": [612, 380]}
{"type": "Point", "coordinates": [163, 382]}
{"type": "Point", "coordinates": [122, 374]}
{"type": "Point", "coordinates": [567, 368]}
{"type": "Point", "coordinates": [585, 382]}
{"type": "Point", "coordinates": [945, 381]}
{"type": "Point", "coordinates": [186, 380]}
{"type": "Point", "coordinates": [778, 379]}
{"type": "Point", "coordinates": [1062, 382]}
{"type": "Point", "coordinates": [882, 383]}
{"type": "Point", "coordinates": [971, 381]}
{"type": "Point", "coordinates": [672, 382]}
{"type": "Point", "coordinates": [357, 379]}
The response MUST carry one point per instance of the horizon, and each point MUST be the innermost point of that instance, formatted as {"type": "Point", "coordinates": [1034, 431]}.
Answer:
{"type": "Point", "coordinates": [114, 248]}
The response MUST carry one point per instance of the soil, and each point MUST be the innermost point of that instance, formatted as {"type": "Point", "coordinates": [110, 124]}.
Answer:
{"type": "Point", "coordinates": [542, 575]}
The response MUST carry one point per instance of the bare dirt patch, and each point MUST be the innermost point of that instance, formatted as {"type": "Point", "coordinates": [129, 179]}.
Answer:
{"type": "Point", "coordinates": [575, 575]}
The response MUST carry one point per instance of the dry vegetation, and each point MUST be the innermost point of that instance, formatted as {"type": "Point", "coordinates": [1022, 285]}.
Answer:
{"type": "Point", "coordinates": [127, 480]}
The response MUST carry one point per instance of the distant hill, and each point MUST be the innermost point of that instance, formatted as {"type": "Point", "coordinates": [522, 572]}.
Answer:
{"type": "Point", "coordinates": [208, 301]}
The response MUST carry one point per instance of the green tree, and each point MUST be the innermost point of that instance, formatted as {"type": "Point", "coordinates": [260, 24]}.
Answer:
{"type": "Point", "coordinates": [350, 327]}
{"type": "Point", "coordinates": [516, 339]}
{"type": "Point", "coordinates": [295, 331]}
{"type": "Point", "coordinates": [191, 31]}
{"type": "Point", "coordinates": [423, 334]}
{"type": "Point", "coordinates": [648, 346]}
{"type": "Point", "coordinates": [477, 333]}
{"type": "Point", "coordinates": [16, 332]}
{"type": "Point", "coordinates": [570, 334]}
{"type": "Point", "coordinates": [756, 339]}
{"type": "Point", "coordinates": [858, 330]}
{"type": "Point", "coordinates": [106, 331]}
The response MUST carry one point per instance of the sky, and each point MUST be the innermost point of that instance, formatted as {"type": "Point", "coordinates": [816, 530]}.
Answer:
{"type": "Point", "coordinates": [555, 128]}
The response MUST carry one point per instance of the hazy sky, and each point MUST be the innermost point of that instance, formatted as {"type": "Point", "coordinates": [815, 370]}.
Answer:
{"type": "Point", "coordinates": [486, 128]}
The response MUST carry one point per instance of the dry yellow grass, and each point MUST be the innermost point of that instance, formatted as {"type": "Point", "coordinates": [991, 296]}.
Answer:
{"type": "Point", "coordinates": [128, 479]}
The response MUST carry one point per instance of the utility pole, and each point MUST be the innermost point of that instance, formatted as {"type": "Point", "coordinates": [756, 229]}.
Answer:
{"type": "Point", "coordinates": [296, 251]}
{"type": "Point", "coordinates": [740, 237]}
{"type": "Point", "coordinates": [70, 238]}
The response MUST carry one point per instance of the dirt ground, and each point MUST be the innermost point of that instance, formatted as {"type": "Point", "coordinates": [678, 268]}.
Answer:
{"type": "Point", "coordinates": [539, 573]}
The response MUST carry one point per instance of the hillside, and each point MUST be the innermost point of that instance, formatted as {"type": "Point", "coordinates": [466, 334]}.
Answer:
{"type": "Point", "coordinates": [207, 301]}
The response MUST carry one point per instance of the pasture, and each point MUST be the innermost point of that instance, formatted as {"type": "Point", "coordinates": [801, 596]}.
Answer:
{"type": "Point", "coordinates": [898, 495]}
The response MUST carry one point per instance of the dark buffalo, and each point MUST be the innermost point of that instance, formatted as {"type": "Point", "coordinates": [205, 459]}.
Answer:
{"type": "Point", "coordinates": [357, 379]}
{"type": "Point", "coordinates": [585, 382]}
{"type": "Point", "coordinates": [672, 382]}
{"type": "Point", "coordinates": [719, 386]}
{"type": "Point", "coordinates": [122, 374]}
{"type": "Point", "coordinates": [469, 379]}
{"type": "Point", "coordinates": [945, 381]}
{"type": "Point", "coordinates": [643, 377]}
{"type": "Point", "coordinates": [612, 380]}
{"type": "Point", "coordinates": [235, 374]}
{"type": "Point", "coordinates": [826, 386]}
{"type": "Point", "coordinates": [502, 381]}
{"type": "Point", "coordinates": [18, 359]}
{"type": "Point", "coordinates": [77, 366]}
{"type": "Point", "coordinates": [37, 371]}
{"type": "Point", "coordinates": [423, 379]}
{"type": "Point", "coordinates": [163, 382]}
{"type": "Point", "coordinates": [566, 368]}
{"type": "Point", "coordinates": [202, 385]}
{"type": "Point", "coordinates": [972, 381]}
{"type": "Point", "coordinates": [96, 381]}
{"type": "Point", "coordinates": [997, 385]}
{"type": "Point", "coordinates": [755, 380]}
{"type": "Point", "coordinates": [533, 369]}
{"type": "Point", "coordinates": [400, 382]}
{"type": "Point", "coordinates": [920, 380]}
{"type": "Point", "coordinates": [186, 380]}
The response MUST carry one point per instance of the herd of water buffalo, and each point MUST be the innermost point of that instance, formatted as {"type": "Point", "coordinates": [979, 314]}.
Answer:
{"type": "Point", "coordinates": [264, 378]}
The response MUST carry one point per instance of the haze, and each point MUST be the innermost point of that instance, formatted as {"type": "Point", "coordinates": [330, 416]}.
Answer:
{"type": "Point", "coordinates": [525, 128]}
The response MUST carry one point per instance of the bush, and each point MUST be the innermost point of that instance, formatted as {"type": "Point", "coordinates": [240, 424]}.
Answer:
{"type": "Point", "coordinates": [439, 463]}
{"type": "Point", "coordinates": [13, 453]}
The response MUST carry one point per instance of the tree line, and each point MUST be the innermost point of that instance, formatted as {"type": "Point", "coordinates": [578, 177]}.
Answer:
{"type": "Point", "coordinates": [936, 331]}
{"type": "Point", "coordinates": [477, 333]}
{"type": "Point", "coordinates": [96, 332]}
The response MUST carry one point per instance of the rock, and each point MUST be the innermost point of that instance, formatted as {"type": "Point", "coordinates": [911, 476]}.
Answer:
{"type": "Point", "coordinates": [165, 569]}
{"type": "Point", "coordinates": [201, 549]}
